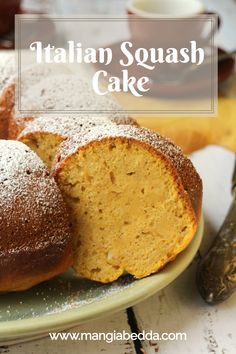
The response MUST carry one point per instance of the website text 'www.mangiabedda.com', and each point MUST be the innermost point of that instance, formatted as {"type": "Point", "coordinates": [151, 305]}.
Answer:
{"type": "Point", "coordinates": [110, 337]}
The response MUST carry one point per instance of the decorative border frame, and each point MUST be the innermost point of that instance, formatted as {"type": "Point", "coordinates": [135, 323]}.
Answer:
{"type": "Point", "coordinates": [212, 18]}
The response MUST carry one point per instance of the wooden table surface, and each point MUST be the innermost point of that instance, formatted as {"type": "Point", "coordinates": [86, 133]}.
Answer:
{"type": "Point", "coordinates": [177, 308]}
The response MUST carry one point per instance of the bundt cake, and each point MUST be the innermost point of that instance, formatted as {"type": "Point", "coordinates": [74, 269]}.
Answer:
{"type": "Point", "coordinates": [46, 133]}
{"type": "Point", "coordinates": [134, 200]}
{"type": "Point", "coordinates": [35, 236]}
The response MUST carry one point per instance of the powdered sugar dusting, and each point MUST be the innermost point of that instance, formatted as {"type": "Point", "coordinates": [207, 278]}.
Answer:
{"type": "Point", "coordinates": [67, 93]}
{"type": "Point", "coordinates": [30, 201]}
{"type": "Point", "coordinates": [17, 162]}
{"type": "Point", "coordinates": [68, 125]}
{"type": "Point", "coordinates": [33, 74]}
{"type": "Point", "coordinates": [63, 293]}
{"type": "Point", "coordinates": [63, 125]}
{"type": "Point", "coordinates": [7, 68]}
{"type": "Point", "coordinates": [120, 131]}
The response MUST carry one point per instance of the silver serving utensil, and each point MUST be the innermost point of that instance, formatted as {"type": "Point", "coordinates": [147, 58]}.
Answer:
{"type": "Point", "coordinates": [216, 276]}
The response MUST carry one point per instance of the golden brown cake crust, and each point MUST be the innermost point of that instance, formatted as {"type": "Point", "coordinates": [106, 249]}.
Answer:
{"type": "Point", "coordinates": [6, 106]}
{"type": "Point", "coordinates": [66, 126]}
{"type": "Point", "coordinates": [35, 237]}
{"type": "Point", "coordinates": [190, 182]}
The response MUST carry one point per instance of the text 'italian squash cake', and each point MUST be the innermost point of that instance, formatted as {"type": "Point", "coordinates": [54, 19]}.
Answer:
{"type": "Point", "coordinates": [35, 235]}
{"type": "Point", "coordinates": [134, 200]}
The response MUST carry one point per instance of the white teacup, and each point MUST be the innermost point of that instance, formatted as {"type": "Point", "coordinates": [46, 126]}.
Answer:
{"type": "Point", "coordinates": [165, 8]}
{"type": "Point", "coordinates": [170, 24]}
{"type": "Point", "coordinates": [187, 14]}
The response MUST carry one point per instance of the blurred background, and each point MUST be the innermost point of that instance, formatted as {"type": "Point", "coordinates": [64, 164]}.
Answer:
{"type": "Point", "coordinates": [8, 8]}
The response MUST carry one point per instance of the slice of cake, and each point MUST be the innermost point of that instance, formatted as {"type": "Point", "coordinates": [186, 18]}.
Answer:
{"type": "Point", "coordinates": [134, 200]}
{"type": "Point", "coordinates": [46, 133]}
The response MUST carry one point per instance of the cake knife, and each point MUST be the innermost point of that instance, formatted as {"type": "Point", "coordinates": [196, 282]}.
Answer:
{"type": "Point", "coordinates": [216, 275]}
